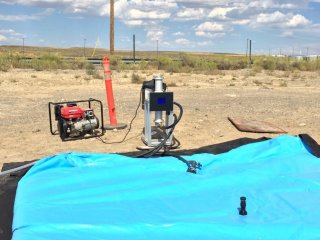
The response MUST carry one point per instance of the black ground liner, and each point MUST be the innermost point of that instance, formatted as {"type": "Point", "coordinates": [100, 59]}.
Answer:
{"type": "Point", "coordinates": [8, 184]}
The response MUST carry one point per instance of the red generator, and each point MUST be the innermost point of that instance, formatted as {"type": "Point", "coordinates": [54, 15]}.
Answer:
{"type": "Point", "coordinates": [75, 122]}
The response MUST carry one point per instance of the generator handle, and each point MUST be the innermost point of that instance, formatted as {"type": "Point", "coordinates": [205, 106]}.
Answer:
{"type": "Point", "coordinates": [50, 120]}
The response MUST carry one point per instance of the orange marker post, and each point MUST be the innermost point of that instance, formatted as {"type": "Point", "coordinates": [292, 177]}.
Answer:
{"type": "Point", "coordinates": [110, 100]}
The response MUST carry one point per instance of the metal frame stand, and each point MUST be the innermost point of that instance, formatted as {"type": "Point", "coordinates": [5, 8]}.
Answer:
{"type": "Point", "coordinates": [154, 135]}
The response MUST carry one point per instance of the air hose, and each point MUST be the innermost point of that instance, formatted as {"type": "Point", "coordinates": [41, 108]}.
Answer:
{"type": "Point", "coordinates": [17, 169]}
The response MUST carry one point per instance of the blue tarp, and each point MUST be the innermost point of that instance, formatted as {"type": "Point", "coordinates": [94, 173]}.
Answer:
{"type": "Point", "coordinates": [108, 196]}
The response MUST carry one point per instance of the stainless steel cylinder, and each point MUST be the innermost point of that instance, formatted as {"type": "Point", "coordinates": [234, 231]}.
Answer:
{"type": "Point", "coordinates": [158, 88]}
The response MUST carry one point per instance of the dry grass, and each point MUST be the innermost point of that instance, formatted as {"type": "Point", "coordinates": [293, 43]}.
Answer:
{"type": "Point", "coordinates": [170, 62]}
{"type": "Point", "coordinates": [136, 78]}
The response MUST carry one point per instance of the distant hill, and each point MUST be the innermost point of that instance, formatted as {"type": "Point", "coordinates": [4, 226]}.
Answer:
{"type": "Point", "coordinates": [31, 51]}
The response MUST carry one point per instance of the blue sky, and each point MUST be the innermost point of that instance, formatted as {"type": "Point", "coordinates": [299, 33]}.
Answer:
{"type": "Point", "coordinates": [178, 25]}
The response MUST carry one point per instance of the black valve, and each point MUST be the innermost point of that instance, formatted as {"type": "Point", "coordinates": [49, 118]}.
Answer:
{"type": "Point", "coordinates": [193, 166]}
{"type": "Point", "coordinates": [191, 170]}
{"type": "Point", "coordinates": [243, 204]}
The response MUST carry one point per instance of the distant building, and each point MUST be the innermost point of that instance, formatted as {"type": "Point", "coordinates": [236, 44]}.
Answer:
{"type": "Point", "coordinates": [313, 57]}
{"type": "Point", "coordinates": [297, 57]}
{"type": "Point", "coordinates": [279, 55]}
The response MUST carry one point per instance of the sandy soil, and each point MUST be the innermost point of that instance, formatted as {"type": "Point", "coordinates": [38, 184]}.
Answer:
{"type": "Point", "coordinates": [288, 100]}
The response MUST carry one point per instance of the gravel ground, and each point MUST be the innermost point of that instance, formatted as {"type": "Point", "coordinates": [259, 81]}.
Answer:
{"type": "Point", "coordinates": [287, 100]}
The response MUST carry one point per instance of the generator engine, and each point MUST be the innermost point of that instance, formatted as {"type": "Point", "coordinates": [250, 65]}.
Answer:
{"type": "Point", "coordinates": [74, 121]}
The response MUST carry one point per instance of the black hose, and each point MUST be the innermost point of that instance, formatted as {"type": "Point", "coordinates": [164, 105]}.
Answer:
{"type": "Point", "coordinates": [176, 144]}
{"type": "Point", "coordinates": [178, 157]}
{"type": "Point", "coordinates": [156, 149]}
{"type": "Point", "coordinates": [179, 117]}
{"type": "Point", "coordinates": [192, 165]}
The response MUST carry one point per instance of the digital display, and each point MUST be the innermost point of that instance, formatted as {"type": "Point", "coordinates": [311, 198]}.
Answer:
{"type": "Point", "coordinates": [161, 101]}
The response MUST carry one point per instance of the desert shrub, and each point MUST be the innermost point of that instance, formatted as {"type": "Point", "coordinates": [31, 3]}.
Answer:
{"type": "Point", "coordinates": [183, 63]}
{"type": "Point", "coordinates": [39, 65]}
{"type": "Point", "coordinates": [313, 65]}
{"type": "Point", "coordinates": [98, 76]}
{"type": "Point", "coordinates": [266, 63]}
{"type": "Point", "coordinates": [257, 82]}
{"type": "Point", "coordinates": [242, 63]}
{"type": "Point", "coordinates": [223, 65]}
{"type": "Point", "coordinates": [175, 67]}
{"type": "Point", "coordinates": [283, 84]}
{"type": "Point", "coordinates": [136, 78]}
{"type": "Point", "coordinates": [285, 64]}
{"type": "Point", "coordinates": [116, 64]}
{"type": "Point", "coordinates": [257, 68]}
{"type": "Point", "coordinates": [299, 65]}
{"type": "Point", "coordinates": [143, 65]}
{"type": "Point", "coordinates": [188, 61]}
{"type": "Point", "coordinates": [170, 65]}
{"type": "Point", "coordinates": [8, 61]}
{"type": "Point", "coordinates": [236, 64]}
{"type": "Point", "coordinates": [231, 63]}
{"type": "Point", "coordinates": [304, 65]}
{"type": "Point", "coordinates": [49, 62]}
{"type": "Point", "coordinates": [78, 63]}
{"type": "Point", "coordinates": [191, 63]}
{"type": "Point", "coordinates": [17, 62]}
{"type": "Point", "coordinates": [206, 65]}
{"type": "Point", "coordinates": [165, 61]}
{"type": "Point", "coordinates": [282, 65]}
{"type": "Point", "coordinates": [51, 58]}
{"type": "Point", "coordinates": [5, 63]}
{"type": "Point", "coordinates": [91, 69]}
{"type": "Point", "coordinates": [151, 65]}
{"type": "Point", "coordinates": [115, 61]}
{"type": "Point", "coordinates": [317, 64]}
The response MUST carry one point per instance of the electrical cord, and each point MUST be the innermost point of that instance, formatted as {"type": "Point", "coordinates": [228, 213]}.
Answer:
{"type": "Point", "coordinates": [130, 125]}
{"type": "Point", "coordinates": [192, 165]}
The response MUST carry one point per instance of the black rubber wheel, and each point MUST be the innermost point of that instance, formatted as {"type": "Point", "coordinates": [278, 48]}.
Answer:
{"type": "Point", "coordinates": [62, 127]}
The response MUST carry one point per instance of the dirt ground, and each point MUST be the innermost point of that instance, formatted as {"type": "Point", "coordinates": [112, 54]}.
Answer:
{"type": "Point", "coordinates": [288, 100]}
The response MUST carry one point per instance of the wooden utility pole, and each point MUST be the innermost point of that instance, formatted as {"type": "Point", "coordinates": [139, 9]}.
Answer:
{"type": "Point", "coordinates": [111, 27]}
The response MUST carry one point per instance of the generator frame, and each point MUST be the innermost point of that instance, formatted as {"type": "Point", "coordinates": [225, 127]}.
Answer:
{"type": "Point", "coordinates": [89, 101]}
